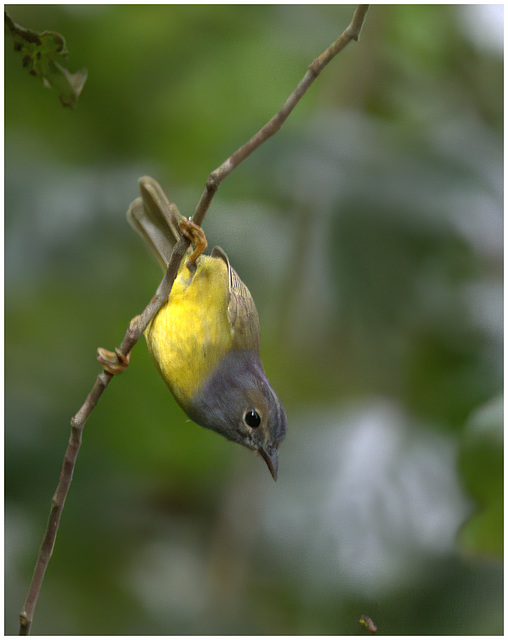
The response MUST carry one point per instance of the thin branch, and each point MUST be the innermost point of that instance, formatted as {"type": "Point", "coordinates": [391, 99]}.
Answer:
{"type": "Point", "coordinates": [58, 501]}
{"type": "Point", "coordinates": [352, 32]}
{"type": "Point", "coordinates": [139, 323]}
{"type": "Point", "coordinates": [78, 421]}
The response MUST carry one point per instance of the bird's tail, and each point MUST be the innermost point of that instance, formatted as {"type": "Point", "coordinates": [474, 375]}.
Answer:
{"type": "Point", "coordinates": [156, 219]}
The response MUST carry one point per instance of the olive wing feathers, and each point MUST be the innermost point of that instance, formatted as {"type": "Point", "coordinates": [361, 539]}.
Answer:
{"type": "Point", "coordinates": [242, 313]}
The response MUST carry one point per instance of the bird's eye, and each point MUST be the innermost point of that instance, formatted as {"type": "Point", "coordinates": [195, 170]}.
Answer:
{"type": "Point", "coordinates": [252, 419]}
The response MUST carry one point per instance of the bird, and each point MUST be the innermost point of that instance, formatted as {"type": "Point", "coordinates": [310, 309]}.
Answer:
{"type": "Point", "coordinates": [205, 340]}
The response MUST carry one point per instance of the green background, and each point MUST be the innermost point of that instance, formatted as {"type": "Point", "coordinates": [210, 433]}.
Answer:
{"type": "Point", "coordinates": [369, 230]}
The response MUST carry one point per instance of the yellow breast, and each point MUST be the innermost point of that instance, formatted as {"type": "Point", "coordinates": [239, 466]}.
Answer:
{"type": "Point", "coordinates": [191, 333]}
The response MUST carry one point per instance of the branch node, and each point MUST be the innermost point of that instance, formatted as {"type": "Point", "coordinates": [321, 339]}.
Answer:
{"type": "Point", "coordinates": [104, 378]}
{"type": "Point", "coordinates": [113, 362]}
{"type": "Point", "coordinates": [212, 183]}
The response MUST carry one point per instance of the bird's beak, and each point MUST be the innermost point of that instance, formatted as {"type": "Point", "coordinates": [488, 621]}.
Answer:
{"type": "Point", "coordinates": [271, 457]}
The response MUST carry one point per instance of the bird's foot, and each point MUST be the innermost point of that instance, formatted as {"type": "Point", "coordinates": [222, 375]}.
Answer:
{"type": "Point", "coordinates": [196, 235]}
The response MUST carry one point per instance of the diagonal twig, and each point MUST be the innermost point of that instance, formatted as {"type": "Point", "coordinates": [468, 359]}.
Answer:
{"type": "Point", "coordinates": [134, 331]}
{"type": "Point", "coordinates": [352, 32]}
{"type": "Point", "coordinates": [139, 323]}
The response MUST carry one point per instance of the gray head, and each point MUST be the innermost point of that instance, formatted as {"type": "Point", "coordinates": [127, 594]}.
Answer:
{"type": "Point", "coordinates": [238, 402]}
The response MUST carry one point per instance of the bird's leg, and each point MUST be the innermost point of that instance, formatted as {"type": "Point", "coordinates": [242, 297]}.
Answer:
{"type": "Point", "coordinates": [196, 235]}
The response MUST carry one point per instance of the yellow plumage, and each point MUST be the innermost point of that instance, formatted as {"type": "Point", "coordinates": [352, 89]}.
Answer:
{"type": "Point", "coordinates": [191, 333]}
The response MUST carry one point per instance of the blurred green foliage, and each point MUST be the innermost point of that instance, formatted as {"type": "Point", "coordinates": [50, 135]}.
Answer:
{"type": "Point", "coordinates": [369, 230]}
{"type": "Point", "coordinates": [481, 463]}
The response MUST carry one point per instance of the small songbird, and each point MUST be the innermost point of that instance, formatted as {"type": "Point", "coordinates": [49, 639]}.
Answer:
{"type": "Point", "coordinates": [205, 339]}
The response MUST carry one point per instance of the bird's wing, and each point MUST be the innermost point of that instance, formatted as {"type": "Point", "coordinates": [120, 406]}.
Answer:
{"type": "Point", "coordinates": [242, 313]}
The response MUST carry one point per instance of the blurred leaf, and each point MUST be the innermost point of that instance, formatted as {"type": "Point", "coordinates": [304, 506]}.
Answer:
{"type": "Point", "coordinates": [481, 464]}
{"type": "Point", "coordinates": [45, 55]}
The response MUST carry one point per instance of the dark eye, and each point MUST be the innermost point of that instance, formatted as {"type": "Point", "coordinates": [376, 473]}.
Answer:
{"type": "Point", "coordinates": [252, 419]}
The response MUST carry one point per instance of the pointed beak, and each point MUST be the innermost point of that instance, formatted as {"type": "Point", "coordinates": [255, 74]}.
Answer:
{"type": "Point", "coordinates": [271, 457]}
